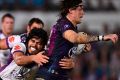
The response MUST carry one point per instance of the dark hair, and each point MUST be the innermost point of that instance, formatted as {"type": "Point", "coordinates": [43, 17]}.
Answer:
{"type": "Point", "coordinates": [40, 34]}
{"type": "Point", "coordinates": [67, 4]}
{"type": "Point", "coordinates": [36, 20]}
{"type": "Point", "coordinates": [7, 15]}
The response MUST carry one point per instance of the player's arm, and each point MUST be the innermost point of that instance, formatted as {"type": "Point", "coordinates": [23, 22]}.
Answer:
{"type": "Point", "coordinates": [73, 37]}
{"type": "Point", "coordinates": [21, 59]}
{"type": "Point", "coordinates": [3, 44]}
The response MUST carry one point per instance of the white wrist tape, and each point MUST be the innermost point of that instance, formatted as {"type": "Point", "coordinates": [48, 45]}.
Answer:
{"type": "Point", "coordinates": [100, 37]}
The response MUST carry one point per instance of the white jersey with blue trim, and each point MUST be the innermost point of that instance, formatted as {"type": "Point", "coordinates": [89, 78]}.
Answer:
{"type": "Point", "coordinates": [4, 54]}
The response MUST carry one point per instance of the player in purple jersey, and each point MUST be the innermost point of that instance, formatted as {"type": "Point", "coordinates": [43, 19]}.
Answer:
{"type": "Point", "coordinates": [64, 36]}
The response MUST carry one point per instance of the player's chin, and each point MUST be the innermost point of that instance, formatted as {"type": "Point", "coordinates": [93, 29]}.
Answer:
{"type": "Point", "coordinates": [78, 22]}
{"type": "Point", "coordinates": [34, 52]}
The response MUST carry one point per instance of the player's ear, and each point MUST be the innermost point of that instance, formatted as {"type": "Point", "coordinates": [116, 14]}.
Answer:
{"type": "Point", "coordinates": [70, 10]}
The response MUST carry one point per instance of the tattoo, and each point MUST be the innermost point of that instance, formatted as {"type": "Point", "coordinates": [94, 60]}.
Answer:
{"type": "Point", "coordinates": [91, 38]}
{"type": "Point", "coordinates": [84, 38]}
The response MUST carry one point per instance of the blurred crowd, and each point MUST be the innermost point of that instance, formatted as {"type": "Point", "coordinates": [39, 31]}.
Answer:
{"type": "Point", "coordinates": [101, 5]}
{"type": "Point", "coordinates": [102, 62]}
{"type": "Point", "coordinates": [90, 5]}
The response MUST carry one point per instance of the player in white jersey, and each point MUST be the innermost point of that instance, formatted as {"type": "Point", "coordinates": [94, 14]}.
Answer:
{"type": "Point", "coordinates": [7, 30]}
{"type": "Point", "coordinates": [26, 58]}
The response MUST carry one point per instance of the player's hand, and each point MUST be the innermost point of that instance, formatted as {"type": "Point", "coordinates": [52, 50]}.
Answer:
{"type": "Point", "coordinates": [112, 37]}
{"type": "Point", "coordinates": [40, 58]}
{"type": "Point", "coordinates": [67, 63]}
{"type": "Point", "coordinates": [87, 47]}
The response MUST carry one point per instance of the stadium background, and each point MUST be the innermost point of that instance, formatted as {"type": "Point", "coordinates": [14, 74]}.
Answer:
{"type": "Point", "coordinates": [101, 17]}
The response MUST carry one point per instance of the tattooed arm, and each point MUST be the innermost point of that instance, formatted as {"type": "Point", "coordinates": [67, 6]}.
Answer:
{"type": "Point", "coordinates": [84, 38]}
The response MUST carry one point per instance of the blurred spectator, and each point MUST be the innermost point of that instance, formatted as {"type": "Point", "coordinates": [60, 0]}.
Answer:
{"type": "Point", "coordinates": [7, 30]}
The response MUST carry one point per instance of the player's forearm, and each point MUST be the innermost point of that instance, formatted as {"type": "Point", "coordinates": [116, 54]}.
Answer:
{"type": "Point", "coordinates": [83, 38]}
{"type": "Point", "coordinates": [80, 37]}
{"type": "Point", "coordinates": [86, 39]}
{"type": "Point", "coordinates": [23, 60]}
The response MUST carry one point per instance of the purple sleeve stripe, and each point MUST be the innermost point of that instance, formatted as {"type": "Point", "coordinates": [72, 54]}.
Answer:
{"type": "Point", "coordinates": [7, 42]}
{"type": "Point", "coordinates": [18, 51]}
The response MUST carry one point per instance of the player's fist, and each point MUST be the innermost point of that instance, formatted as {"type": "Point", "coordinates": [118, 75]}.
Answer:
{"type": "Point", "coordinates": [87, 47]}
{"type": "Point", "coordinates": [112, 37]}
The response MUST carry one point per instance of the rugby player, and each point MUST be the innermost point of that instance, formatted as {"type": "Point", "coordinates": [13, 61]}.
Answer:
{"type": "Point", "coordinates": [7, 27]}
{"type": "Point", "coordinates": [26, 57]}
{"type": "Point", "coordinates": [64, 36]}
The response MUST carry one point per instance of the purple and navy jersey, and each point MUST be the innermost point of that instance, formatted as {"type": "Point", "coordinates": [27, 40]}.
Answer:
{"type": "Point", "coordinates": [57, 44]}
{"type": "Point", "coordinates": [58, 47]}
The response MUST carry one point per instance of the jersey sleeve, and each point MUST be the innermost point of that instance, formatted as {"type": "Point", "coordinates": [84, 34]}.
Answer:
{"type": "Point", "coordinates": [19, 47]}
{"type": "Point", "coordinates": [12, 40]}
{"type": "Point", "coordinates": [65, 28]}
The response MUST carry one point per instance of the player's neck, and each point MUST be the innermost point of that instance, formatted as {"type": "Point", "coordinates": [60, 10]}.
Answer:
{"type": "Point", "coordinates": [71, 19]}
{"type": "Point", "coordinates": [6, 34]}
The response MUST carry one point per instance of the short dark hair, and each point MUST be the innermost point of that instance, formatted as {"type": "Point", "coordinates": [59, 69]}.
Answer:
{"type": "Point", "coordinates": [36, 20]}
{"type": "Point", "coordinates": [67, 4]}
{"type": "Point", "coordinates": [38, 33]}
{"type": "Point", "coordinates": [7, 15]}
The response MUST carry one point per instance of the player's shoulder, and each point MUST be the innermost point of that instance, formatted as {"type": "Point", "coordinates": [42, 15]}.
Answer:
{"type": "Point", "coordinates": [64, 23]}
{"type": "Point", "coordinates": [14, 39]}
{"type": "Point", "coordinates": [19, 47]}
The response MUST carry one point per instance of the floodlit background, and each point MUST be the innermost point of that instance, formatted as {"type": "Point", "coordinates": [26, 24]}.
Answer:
{"type": "Point", "coordinates": [101, 17]}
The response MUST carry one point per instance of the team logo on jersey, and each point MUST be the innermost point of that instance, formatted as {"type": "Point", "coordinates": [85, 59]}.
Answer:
{"type": "Point", "coordinates": [17, 47]}
{"type": "Point", "coordinates": [66, 26]}
{"type": "Point", "coordinates": [11, 39]}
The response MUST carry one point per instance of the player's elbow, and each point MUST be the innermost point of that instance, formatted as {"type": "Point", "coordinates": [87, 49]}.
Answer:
{"type": "Point", "coordinates": [19, 61]}
{"type": "Point", "coordinates": [78, 40]}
